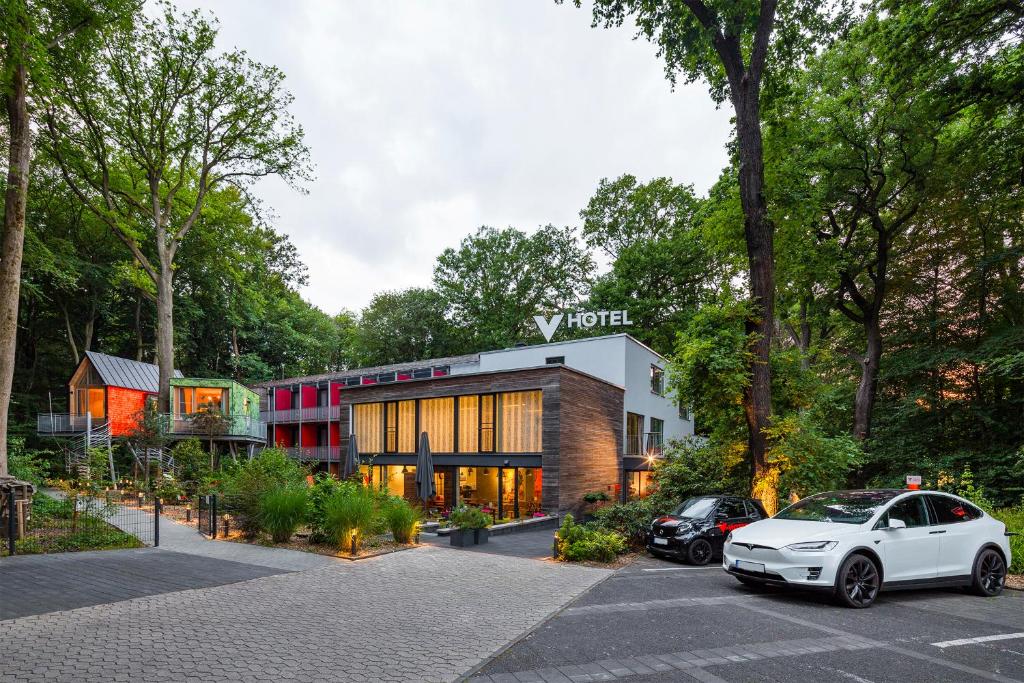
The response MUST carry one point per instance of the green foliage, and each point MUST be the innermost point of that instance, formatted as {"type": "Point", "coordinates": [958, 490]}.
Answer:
{"type": "Point", "coordinates": [468, 517]}
{"type": "Point", "coordinates": [324, 487]}
{"type": "Point", "coordinates": [350, 512]}
{"type": "Point", "coordinates": [973, 492]}
{"type": "Point", "coordinates": [192, 463]}
{"type": "Point", "coordinates": [282, 511]}
{"type": "Point", "coordinates": [77, 523]}
{"type": "Point", "coordinates": [25, 464]}
{"type": "Point", "coordinates": [168, 490]}
{"type": "Point", "coordinates": [402, 519]}
{"type": "Point", "coordinates": [1013, 518]}
{"type": "Point", "coordinates": [595, 497]}
{"type": "Point", "coordinates": [631, 519]}
{"type": "Point", "coordinates": [497, 280]}
{"type": "Point", "coordinates": [810, 460]}
{"type": "Point", "coordinates": [691, 469]}
{"type": "Point", "coordinates": [245, 483]}
{"type": "Point", "coordinates": [408, 325]}
{"type": "Point", "coordinates": [577, 543]}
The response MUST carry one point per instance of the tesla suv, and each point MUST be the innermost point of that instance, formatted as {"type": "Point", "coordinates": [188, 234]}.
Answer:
{"type": "Point", "coordinates": [695, 530]}
{"type": "Point", "coordinates": [856, 543]}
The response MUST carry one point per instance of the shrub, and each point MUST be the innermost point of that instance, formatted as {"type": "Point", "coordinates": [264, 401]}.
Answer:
{"type": "Point", "coordinates": [595, 497]}
{"type": "Point", "coordinates": [468, 517]}
{"type": "Point", "coordinates": [1013, 518]}
{"type": "Point", "coordinates": [631, 519]}
{"type": "Point", "coordinates": [168, 490]}
{"type": "Point", "coordinates": [349, 512]}
{"type": "Point", "coordinates": [402, 519]}
{"type": "Point", "coordinates": [191, 462]}
{"type": "Point", "coordinates": [282, 511]}
{"type": "Point", "coordinates": [245, 484]}
{"type": "Point", "coordinates": [324, 486]}
{"type": "Point", "coordinates": [578, 543]}
{"type": "Point", "coordinates": [25, 464]}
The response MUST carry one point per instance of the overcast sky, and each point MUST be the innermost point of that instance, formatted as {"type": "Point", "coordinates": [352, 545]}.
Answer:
{"type": "Point", "coordinates": [429, 119]}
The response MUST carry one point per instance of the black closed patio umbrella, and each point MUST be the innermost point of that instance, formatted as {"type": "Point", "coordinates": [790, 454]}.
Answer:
{"type": "Point", "coordinates": [351, 464]}
{"type": "Point", "coordinates": [425, 488]}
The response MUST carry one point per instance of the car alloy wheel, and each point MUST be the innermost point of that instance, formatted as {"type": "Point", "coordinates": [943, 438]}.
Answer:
{"type": "Point", "coordinates": [858, 582]}
{"type": "Point", "coordinates": [989, 573]}
{"type": "Point", "coordinates": [699, 552]}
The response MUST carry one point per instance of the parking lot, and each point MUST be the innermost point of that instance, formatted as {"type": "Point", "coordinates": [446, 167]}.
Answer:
{"type": "Point", "coordinates": [662, 621]}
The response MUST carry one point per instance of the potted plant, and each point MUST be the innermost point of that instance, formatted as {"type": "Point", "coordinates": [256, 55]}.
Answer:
{"type": "Point", "coordinates": [469, 526]}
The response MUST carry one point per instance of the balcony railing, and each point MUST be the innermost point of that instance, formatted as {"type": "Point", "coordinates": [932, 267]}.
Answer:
{"type": "Point", "coordinates": [232, 426]}
{"type": "Point", "coordinates": [63, 423]}
{"type": "Point", "coordinates": [314, 453]}
{"type": "Point", "coordinates": [314, 414]}
{"type": "Point", "coordinates": [646, 444]}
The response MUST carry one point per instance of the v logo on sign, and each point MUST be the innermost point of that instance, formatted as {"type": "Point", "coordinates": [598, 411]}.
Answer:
{"type": "Point", "coordinates": [548, 327]}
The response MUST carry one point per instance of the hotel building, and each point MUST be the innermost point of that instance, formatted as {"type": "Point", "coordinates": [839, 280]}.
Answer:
{"type": "Point", "coordinates": [517, 430]}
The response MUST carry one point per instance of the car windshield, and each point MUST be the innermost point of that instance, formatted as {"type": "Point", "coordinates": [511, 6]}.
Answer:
{"type": "Point", "coordinates": [695, 508]}
{"type": "Point", "coordinates": [845, 507]}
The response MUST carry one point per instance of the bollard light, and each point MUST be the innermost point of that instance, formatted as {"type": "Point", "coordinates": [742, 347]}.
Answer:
{"type": "Point", "coordinates": [354, 543]}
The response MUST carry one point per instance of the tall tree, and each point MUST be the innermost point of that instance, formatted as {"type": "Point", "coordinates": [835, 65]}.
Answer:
{"type": "Point", "coordinates": [737, 48]}
{"type": "Point", "coordinates": [31, 33]}
{"type": "Point", "coordinates": [404, 326]}
{"type": "Point", "coordinates": [497, 280]}
{"type": "Point", "coordinates": [146, 133]}
{"type": "Point", "coordinates": [661, 268]}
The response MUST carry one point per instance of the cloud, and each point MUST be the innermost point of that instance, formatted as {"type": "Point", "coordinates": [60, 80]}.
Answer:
{"type": "Point", "coordinates": [428, 119]}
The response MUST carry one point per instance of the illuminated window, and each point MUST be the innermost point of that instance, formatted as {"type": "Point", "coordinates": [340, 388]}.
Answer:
{"type": "Point", "coordinates": [437, 419]}
{"type": "Point", "coordinates": [521, 422]}
{"type": "Point", "coordinates": [487, 423]}
{"type": "Point", "coordinates": [369, 422]}
{"type": "Point", "coordinates": [469, 423]}
{"type": "Point", "coordinates": [209, 399]}
{"type": "Point", "coordinates": [96, 403]}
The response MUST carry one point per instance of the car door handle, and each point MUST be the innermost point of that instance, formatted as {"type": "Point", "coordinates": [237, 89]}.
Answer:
{"type": "Point", "coordinates": [937, 532]}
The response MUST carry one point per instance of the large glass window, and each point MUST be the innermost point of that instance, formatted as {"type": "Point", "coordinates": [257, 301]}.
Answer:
{"type": "Point", "coordinates": [657, 380]}
{"type": "Point", "coordinates": [390, 427]}
{"type": "Point", "coordinates": [638, 484]}
{"type": "Point", "coordinates": [469, 423]}
{"type": "Point", "coordinates": [634, 433]}
{"type": "Point", "coordinates": [209, 399]}
{"type": "Point", "coordinates": [369, 422]}
{"type": "Point", "coordinates": [437, 419]}
{"type": "Point", "coordinates": [521, 422]}
{"type": "Point", "coordinates": [530, 488]}
{"type": "Point", "coordinates": [487, 443]}
{"type": "Point", "coordinates": [96, 403]}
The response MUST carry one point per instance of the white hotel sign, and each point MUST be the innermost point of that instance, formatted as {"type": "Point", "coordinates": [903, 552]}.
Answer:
{"type": "Point", "coordinates": [582, 319]}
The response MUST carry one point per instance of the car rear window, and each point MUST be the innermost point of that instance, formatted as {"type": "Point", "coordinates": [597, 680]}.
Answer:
{"type": "Point", "coordinates": [949, 510]}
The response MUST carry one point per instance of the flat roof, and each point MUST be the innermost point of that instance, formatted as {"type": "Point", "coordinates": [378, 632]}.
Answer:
{"type": "Point", "coordinates": [577, 341]}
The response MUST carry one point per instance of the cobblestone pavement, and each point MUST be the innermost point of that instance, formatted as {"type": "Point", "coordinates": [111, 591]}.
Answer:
{"type": "Point", "coordinates": [428, 614]}
{"type": "Point", "coordinates": [657, 621]}
{"type": "Point", "coordinates": [36, 584]}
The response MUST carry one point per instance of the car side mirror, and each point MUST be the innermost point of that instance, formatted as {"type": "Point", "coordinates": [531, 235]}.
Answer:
{"type": "Point", "coordinates": [897, 524]}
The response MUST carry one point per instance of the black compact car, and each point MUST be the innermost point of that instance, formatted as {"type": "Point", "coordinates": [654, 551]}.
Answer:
{"type": "Point", "coordinates": [696, 530]}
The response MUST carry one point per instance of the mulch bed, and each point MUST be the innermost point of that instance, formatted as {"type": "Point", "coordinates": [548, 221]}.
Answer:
{"type": "Point", "coordinates": [371, 547]}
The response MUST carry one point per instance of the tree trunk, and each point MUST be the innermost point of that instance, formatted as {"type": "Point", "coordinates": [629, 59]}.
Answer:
{"type": "Point", "coordinates": [165, 333]}
{"type": "Point", "coordinates": [868, 387]}
{"type": "Point", "coordinates": [138, 328]}
{"type": "Point", "coordinates": [19, 157]}
{"type": "Point", "coordinates": [71, 334]}
{"type": "Point", "coordinates": [759, 233]}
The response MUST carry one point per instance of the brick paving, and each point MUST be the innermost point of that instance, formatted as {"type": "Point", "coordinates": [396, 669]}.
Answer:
{"type": "Point", "coordinates": [428, 614]}
{"type": "Point", "coordinates": [36, 584]}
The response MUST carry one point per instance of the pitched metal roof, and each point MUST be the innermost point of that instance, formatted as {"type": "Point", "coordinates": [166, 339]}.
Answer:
{"type": "Point", "coordinates": [130, 374]}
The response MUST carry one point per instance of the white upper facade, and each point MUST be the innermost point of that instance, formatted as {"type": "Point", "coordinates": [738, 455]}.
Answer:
{"type": "Point", "coordinates": [618, 359]}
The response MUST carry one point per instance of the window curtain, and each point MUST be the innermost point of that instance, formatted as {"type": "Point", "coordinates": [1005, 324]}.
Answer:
{"type": "Point", "coordinates": [521, 422]}
{"type": "Point", "coordinates": [369, 419]}
{"type": "Point", "coordinates": [407, 426]}
{"type": "Point", "coordinates": [437, 419]}
{"type": "Point", "coordinates": [469, 422]}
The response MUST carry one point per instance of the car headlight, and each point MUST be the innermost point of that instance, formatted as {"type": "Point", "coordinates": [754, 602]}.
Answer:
{"type": "Point", "coordinates": [728, 537]}
{"type": "Point", "coordinates": [813, 546]}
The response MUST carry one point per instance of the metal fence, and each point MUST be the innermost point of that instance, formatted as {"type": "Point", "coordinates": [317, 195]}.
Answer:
{"type": "Point", "coordinates": [212, 519]}
{"type": "Point", "coordinates": [71, 521]}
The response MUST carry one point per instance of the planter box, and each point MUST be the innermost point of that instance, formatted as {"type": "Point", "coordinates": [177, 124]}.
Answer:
{"type": "Point", "coordinates": [461, 538]}
{"type": "Point", "coordinates": [465, 537]}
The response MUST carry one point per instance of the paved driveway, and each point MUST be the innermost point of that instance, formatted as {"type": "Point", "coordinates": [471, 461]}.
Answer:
{"type": "Point", "coordinates": [660, 621]}
{"type": "Point", "coordinates": [427, 614]}
{"type": "Point", "coordinates": [532, 544]}
{"type": "Point", "coordinates": [37, 584]}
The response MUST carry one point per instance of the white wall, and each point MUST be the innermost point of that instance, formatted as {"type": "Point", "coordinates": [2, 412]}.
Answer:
{"type": "Point", "coordinates": [618, 359]}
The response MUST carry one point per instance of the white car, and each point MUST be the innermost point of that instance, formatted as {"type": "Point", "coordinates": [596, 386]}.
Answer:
{"type": "Point", "coordinates": [856, 543]}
